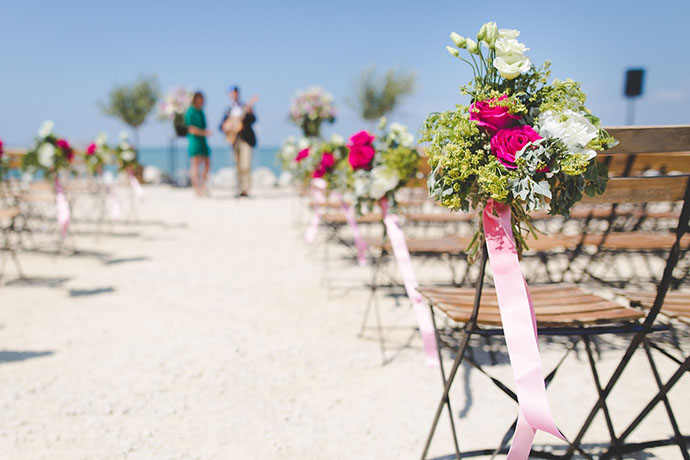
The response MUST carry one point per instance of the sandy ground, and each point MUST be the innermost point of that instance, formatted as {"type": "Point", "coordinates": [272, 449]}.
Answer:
{"type": "Point", "coordinates": [207, 331]}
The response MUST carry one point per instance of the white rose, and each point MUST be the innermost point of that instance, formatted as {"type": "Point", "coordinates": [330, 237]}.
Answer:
{"type": "Point", "coordinates": [46, 155]}
{"type": "Point", "coordinates": [573, 128]}
{"type": "Point", "coordinates": [509, 46]}
{"type": "Point", "coordinates": [383, 181]}
{"type": "Point", "coordinates": [508, 33]}
{"type": "Point", "coordinates": [128, 155]}
{"type": "Point", "coordinates": [46, 129]}
{"type": "Point", "coordinates": [512, 65]}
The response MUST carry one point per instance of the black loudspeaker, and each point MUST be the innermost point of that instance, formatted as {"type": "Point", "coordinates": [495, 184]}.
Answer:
{"type": "Point", "coordinates": [633, 82]}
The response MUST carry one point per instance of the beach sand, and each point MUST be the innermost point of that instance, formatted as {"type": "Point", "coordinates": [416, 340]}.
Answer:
{"type": "Point", "coordinates": [206, 331]}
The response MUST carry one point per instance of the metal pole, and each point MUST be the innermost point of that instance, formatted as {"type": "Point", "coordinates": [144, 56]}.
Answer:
{"type": "Point", "coordinates": [630, 112]}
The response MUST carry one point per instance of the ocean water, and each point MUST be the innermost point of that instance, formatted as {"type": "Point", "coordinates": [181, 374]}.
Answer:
{"type": "Point", "coordinates": [174, 160]}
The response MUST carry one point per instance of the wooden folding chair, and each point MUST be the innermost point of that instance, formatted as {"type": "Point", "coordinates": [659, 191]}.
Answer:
{"type": "Point", "coordinates": [570, 311]}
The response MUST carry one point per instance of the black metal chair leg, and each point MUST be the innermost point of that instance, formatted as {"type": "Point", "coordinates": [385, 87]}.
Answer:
{"type": "Point", "coordinates": [597, 382]}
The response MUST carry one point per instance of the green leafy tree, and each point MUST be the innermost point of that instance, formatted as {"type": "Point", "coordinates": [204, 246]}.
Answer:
{"type": "Point", "coordinates": [132, 103]}
{"type": "Point", "coordinates": [377, 95]}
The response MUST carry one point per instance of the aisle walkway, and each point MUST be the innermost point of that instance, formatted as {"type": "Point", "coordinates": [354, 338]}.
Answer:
{"type": "Point", "coordinates": [204, 333]}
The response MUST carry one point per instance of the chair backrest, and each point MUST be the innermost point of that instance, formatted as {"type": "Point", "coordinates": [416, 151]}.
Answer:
{"type": "Point", "coordinates": [650, 164]}
{"type": "Point", "coordinates": [664, 149]}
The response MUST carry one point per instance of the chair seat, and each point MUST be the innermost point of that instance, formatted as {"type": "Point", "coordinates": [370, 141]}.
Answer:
{"type": "Point", "coordinates": [676, 303]}
{"type": "Point", "coordinates": [635, 241]}
{"type": "Point", "coordinates": [339, 218]}
{"type": "Point", "coordinates": [9, 213]}
{"type": "Point", "coordinates": [438, 217]}
{"type": "Point", "coordinates": [558, 305]}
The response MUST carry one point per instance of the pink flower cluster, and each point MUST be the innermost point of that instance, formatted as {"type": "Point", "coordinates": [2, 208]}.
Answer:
{"type": "Point", "coordinates": [302, 154]}
{"type": "Point", "coordinates": [63, 145]}
{"type": "Point", "coordinates": [507, 138]}
{"type": "Point", "coordinates": [327, 162]}
{"type": "Point", "coordinates": [361, 150]}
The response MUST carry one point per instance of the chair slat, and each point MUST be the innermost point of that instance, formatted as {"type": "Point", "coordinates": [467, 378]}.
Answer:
{"type": "Point", "coordinates": [641, 190]}
{"type": "Point", "coordinates": [650, 139]}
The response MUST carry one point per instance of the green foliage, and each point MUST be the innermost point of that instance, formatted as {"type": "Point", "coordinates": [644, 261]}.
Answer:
{"type": "Point", "coordinates": [132, 103]}
{"type": "Point", "coordinates": [376, 96]}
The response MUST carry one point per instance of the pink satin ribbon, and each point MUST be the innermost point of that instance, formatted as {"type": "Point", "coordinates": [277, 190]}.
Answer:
{"type": "Point", "coordinates": [136, 186]}
{"type": "Point", "coordinates": [317, 188]}
{"type": "Point", "coordinates": [402, 257]}
{"type": "Point", "coordinates": [360, 244]}
{"type": "Point", "coordinates": [520, 329]}
{"type": "Point", "coordinates": [61, 209]}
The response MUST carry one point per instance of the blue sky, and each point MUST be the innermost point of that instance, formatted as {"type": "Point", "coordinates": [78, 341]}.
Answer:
{"type": "Point", "coordinates": [57, 59]}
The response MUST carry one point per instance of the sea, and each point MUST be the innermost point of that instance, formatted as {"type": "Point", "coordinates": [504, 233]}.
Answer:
{"type": "Point", "coordinates": [174, 161]}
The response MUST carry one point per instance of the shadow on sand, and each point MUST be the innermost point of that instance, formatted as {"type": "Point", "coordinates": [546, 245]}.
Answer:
{"type": "Point", "coordinates": [7, 356]}
{"type": "Point", "coordinates": [88, 292]}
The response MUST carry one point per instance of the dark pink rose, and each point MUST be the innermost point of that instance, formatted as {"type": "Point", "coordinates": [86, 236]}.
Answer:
{"type": "Point", "coordinates": [490, 117]}
{"type": "Point", "coordinates": [361, 150]}
{"type": "Point", "coordinates": [63, 144]}
{"type": "Point", "coordinates": [302, 154]}
{"type": "Point", "coordinates": [91, 149]}
{"type": "Point", "coordinates": [508, 142]}
{"type": "Point", "coordinates": [327, 162]}
{"type": "Point", "coordinates": [1, 150]}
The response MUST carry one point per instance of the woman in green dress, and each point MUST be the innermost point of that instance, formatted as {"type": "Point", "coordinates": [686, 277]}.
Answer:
{"type": "Point", "coordinates": [198, 147]}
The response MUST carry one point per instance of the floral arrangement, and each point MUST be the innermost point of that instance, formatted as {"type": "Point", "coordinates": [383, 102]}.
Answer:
{"type": "Point", "coordinates": [125, 154]}
{"type": "Point", "coordinates": [520, 141]}
{"type": "Point", "coordinates": [50, 153]}
{"type": "Point", "coordinates": [3, 162]}
{"type": "Point", "coordinates": [97, 154]}
{"type": "Point", "coordinates": [310, 108]}
{"type": "Point", "coordinates": [381, 166]}
{"type": "Point", "coordinates": [173, 107]}
{"type": "Point", "coordinates": [310, 158]}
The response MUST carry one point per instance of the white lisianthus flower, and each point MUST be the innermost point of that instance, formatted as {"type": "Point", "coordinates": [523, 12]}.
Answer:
{"type": "Point", "coordinates": [508, 33]}
{"type": "Point", "coordinates": [337, 139]}
{"type": "Point", "coordinates": [472, 46]}
{"type": "Point", "coordinates": [290, 150]}
{"type": "Point", "coordinates": [360, 186]}
{"type": "Point", "coordinates": [46, 129]}
{"type": "Point", "coordinates": [571, 127]}
{"type": "Point", "coordinates": [128, 155]}
{"type": "Point", "coordinates": [101, 140]}
{"type": "Point", "coordinates": [490, 32]}
{"type": "Point", "coordinates": [453, 52]}
{"type": "Point", "coordinates": [509, 46]}
{"type": "Point", "coordinates": [303, 143]}
{"type": "Point", "coordinates": [512, 65]}
{"type": "Point", "coordinates": [383, 181]}
{"type": "Point", "coordinates": [46, 155]}
{"type": "Point", "coordinates": [458, 40]}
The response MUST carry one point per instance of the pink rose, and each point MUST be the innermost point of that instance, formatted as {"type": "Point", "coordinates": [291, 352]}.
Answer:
{"type": "Point", "coordinates": [361, 150]}
{"type": "Point", "coordinates": [63, 144]}
{"type": "Point", "coordinates": [490, 117]}
{"type": "Point", "coordinates": [91, 149]}
{"type": "Point", "coordinates": [508, 142]}
{"type": "Point", "coordinates": [302, 154]}
{"type": "Point", "coordinates": [1, 150]}
{"type": "Point", "coordinates": [327, 162]}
